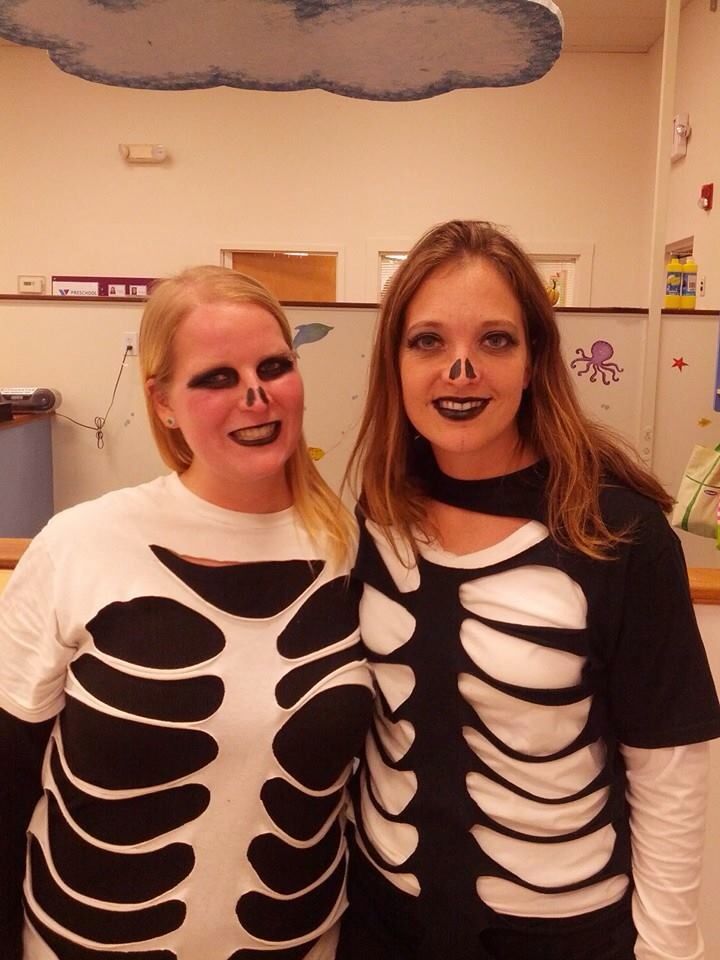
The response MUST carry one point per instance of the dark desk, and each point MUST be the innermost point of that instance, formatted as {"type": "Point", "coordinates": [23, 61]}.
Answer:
{"type": "Point", "coordinates": [26, 480]}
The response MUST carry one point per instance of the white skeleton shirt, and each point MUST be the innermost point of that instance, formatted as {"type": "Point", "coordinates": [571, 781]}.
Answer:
{"type": "Point", "coordinates": [206, 719]}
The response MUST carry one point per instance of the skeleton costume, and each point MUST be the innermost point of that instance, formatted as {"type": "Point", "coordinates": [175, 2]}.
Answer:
{"type": "Point", "coordinates": [202, 723]}
{"type": "Point", "coordinates": [515, 685]}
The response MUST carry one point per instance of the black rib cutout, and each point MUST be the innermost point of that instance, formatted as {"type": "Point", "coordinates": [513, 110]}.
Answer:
{"type": "Point", "coordinates": [133, 819]}
{"type": "Point", "coordinates": [107, 875]}
{"type": "Point", "coordinates": [287, 869]}
{"type": "Point", "coordinates": [252, 590]}
{"type": "Point", "coordinates": [156, 632]}
{"type": "Point", "coordinates": [65, 950]}
{"type": "Point", "coordinates": [298, 815]}
{"type": "Point", "coordinates": [295, 684]}
{"type": "Point", "coordinates": [318, 741]}
{"type": "Point", "coordinates": [266, 918]}
{"type": "Point", "coordinates": [120, 754]}
{"type": "Point", "coordinates": [179, 701]}
{"type": "Point", "coordinates": [289, 953]}
{"type": "Point", "coordinates": [93, 923]}
{"type": "Point", "coordinates": [311, 629]}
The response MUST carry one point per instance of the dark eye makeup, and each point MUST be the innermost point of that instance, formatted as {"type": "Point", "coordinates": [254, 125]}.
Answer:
{"type": "Point", "coordinates": [216, 379]}
{"type": "Point", "coordinates": [274, 367]}
{"type": "Point", "coordinates": [220, 378]}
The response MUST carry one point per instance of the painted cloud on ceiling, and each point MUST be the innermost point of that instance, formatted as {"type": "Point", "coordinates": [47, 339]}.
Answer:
{"type": "Point", "coordinates": [371, 49]}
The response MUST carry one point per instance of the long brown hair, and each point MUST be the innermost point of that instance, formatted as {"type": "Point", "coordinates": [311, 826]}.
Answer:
{"type": "Point", "coordinates": [170, 301]}
{"type": "Point", "coordinates": [581, 454]}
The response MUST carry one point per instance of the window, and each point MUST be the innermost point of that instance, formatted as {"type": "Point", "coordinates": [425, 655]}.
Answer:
{"type": "Point", "coordinates": [300, 275]}
{"type": "Point", "coordinates": [387, 265]}
{"type": "Point", "coordinates": [558, 273]}
{"type": "Point", "coordinates": [559, 277]}
{"type": "Point", "coordinates": [682, 249]}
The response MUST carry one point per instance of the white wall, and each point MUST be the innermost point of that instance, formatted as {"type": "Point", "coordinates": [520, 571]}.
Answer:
{"type": "Point", "coordinates": [568, 158]}
{"type": "Point", "coordinates": [709, 622]}
{"type": "Point", "coordinates": [77, 348]}
{"type": "Point", "coordinates": [698, 93]}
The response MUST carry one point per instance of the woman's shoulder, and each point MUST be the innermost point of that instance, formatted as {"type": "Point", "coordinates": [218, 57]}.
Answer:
{"type": "Point", "coordinates": [115, 506]}
{"type": "Point", "coordinates": [618, 499]}
{"type": "Point", "coordinates": [626, 509]}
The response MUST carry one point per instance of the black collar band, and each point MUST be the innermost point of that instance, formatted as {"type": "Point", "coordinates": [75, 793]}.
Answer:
{"type": "Point", "coordinates": [520, 494]}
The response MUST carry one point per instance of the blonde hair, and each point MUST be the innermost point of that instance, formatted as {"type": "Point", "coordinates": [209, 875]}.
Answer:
{"type": "Point", "coordinates": [582, 454]}
{"type": "Point", "coordinates": [170, 301]}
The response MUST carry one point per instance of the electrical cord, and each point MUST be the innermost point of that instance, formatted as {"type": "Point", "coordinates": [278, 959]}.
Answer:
{"type": "Point", "coordinates": [99, 422]}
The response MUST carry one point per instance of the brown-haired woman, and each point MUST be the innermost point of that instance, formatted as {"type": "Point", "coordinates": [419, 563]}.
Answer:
{"type": "Point", "coordinates": [190, 647]}
{"type": "Point", "coordinates": [537, 661]}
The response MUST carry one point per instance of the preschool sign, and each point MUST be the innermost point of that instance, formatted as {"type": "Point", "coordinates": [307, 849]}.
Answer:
{"type": "Point", "coordinates": [101, 286]}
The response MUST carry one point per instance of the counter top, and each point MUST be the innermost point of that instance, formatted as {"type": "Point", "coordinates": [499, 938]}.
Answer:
{"type": "Point", "coordinates": [704, 581]}
{"type": "Point", "coordinates": [11, 549]}
{"type": "Point", "coordinates": [20, 418]}
{"type": "Point", "coordinates": [705, 584]}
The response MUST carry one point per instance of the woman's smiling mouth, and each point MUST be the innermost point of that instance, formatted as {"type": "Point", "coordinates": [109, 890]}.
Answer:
{"type": "Point", "coordinates": [256, 436]}
{"type": "Point", "coordinates": [460, 408]}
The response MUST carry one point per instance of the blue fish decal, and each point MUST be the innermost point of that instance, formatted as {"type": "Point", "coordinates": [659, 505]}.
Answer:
{"type": "Point", "coordinates": [310, 333]}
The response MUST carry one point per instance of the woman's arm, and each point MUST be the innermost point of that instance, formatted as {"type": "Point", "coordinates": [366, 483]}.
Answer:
{"type": "Point", "coordinates": [22, 746]}
{"type": "Point", "coordinates": [33, 664]}
{"type": "Point", "coordinates": [667, 790]}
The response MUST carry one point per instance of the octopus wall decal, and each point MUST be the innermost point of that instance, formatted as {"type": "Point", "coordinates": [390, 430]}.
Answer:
{"type": "Point", "coordinates": [599, 362]}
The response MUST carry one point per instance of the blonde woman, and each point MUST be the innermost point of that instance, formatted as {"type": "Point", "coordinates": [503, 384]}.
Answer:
{"type": "Point", "coordinates": [190, 648]}
{"type": "Point", "coordinates": [533, 785]}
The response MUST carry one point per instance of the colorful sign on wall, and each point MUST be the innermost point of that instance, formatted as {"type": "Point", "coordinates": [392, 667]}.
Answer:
{"type": "Point", "coordinates": [65, 286]}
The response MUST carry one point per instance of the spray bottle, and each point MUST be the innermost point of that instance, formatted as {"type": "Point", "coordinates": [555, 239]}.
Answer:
{"type": "Point", "coordinates": [673, 284]}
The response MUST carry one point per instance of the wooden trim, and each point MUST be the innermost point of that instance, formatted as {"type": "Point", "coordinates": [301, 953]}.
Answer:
{"type": "Point", "coordinates": [317, 303]}
{"type": "Point", "coordinates": [46, 298]}
{"type": "Point", "coordinates": [42, 298]}
{"type": "Point", "coordinates": [49, 298]}
{"type": "Point", "coordinates": [704, 581]}
{"type": "Point", "coordinates": [705, 584]}
{"type": "Point", "coordinates": [637, 310]}
{"type": "Point", "coordinates": [11, 549]}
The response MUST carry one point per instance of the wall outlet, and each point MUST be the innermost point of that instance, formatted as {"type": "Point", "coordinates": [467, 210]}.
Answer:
{"type": "Point", "coordinates": [701, 286]}
{"type": "Point", "coordinates": [130, 343]}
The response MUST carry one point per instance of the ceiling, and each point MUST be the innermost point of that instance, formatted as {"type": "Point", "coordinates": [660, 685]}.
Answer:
{"type": "Point", "coordinates": [613, 26]}
{"type": "Point", "coordinates": [610, 26]}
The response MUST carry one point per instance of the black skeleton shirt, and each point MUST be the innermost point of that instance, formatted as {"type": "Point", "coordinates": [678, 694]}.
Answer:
{"type": "Point", "coordinates": [507, 679]}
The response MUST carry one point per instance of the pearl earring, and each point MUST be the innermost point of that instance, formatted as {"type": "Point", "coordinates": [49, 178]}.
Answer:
{"type": "Point", "coordinates": [170, 421]}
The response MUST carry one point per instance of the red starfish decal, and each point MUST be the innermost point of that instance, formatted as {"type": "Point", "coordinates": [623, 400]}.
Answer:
{"type": "Point", "coordinates": [679, 362]}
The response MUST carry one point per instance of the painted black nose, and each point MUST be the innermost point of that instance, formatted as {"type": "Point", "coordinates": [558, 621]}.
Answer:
{"type": "Point", "coordinates": [252, 395]}
{"type": "Point", "coordinates": [456, 369]}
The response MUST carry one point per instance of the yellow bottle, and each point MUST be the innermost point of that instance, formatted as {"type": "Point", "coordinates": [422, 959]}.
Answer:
{"type": "Point", "coordinates": [689, 285]}
{"type": "Point", "coordinates": [673, 284]}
